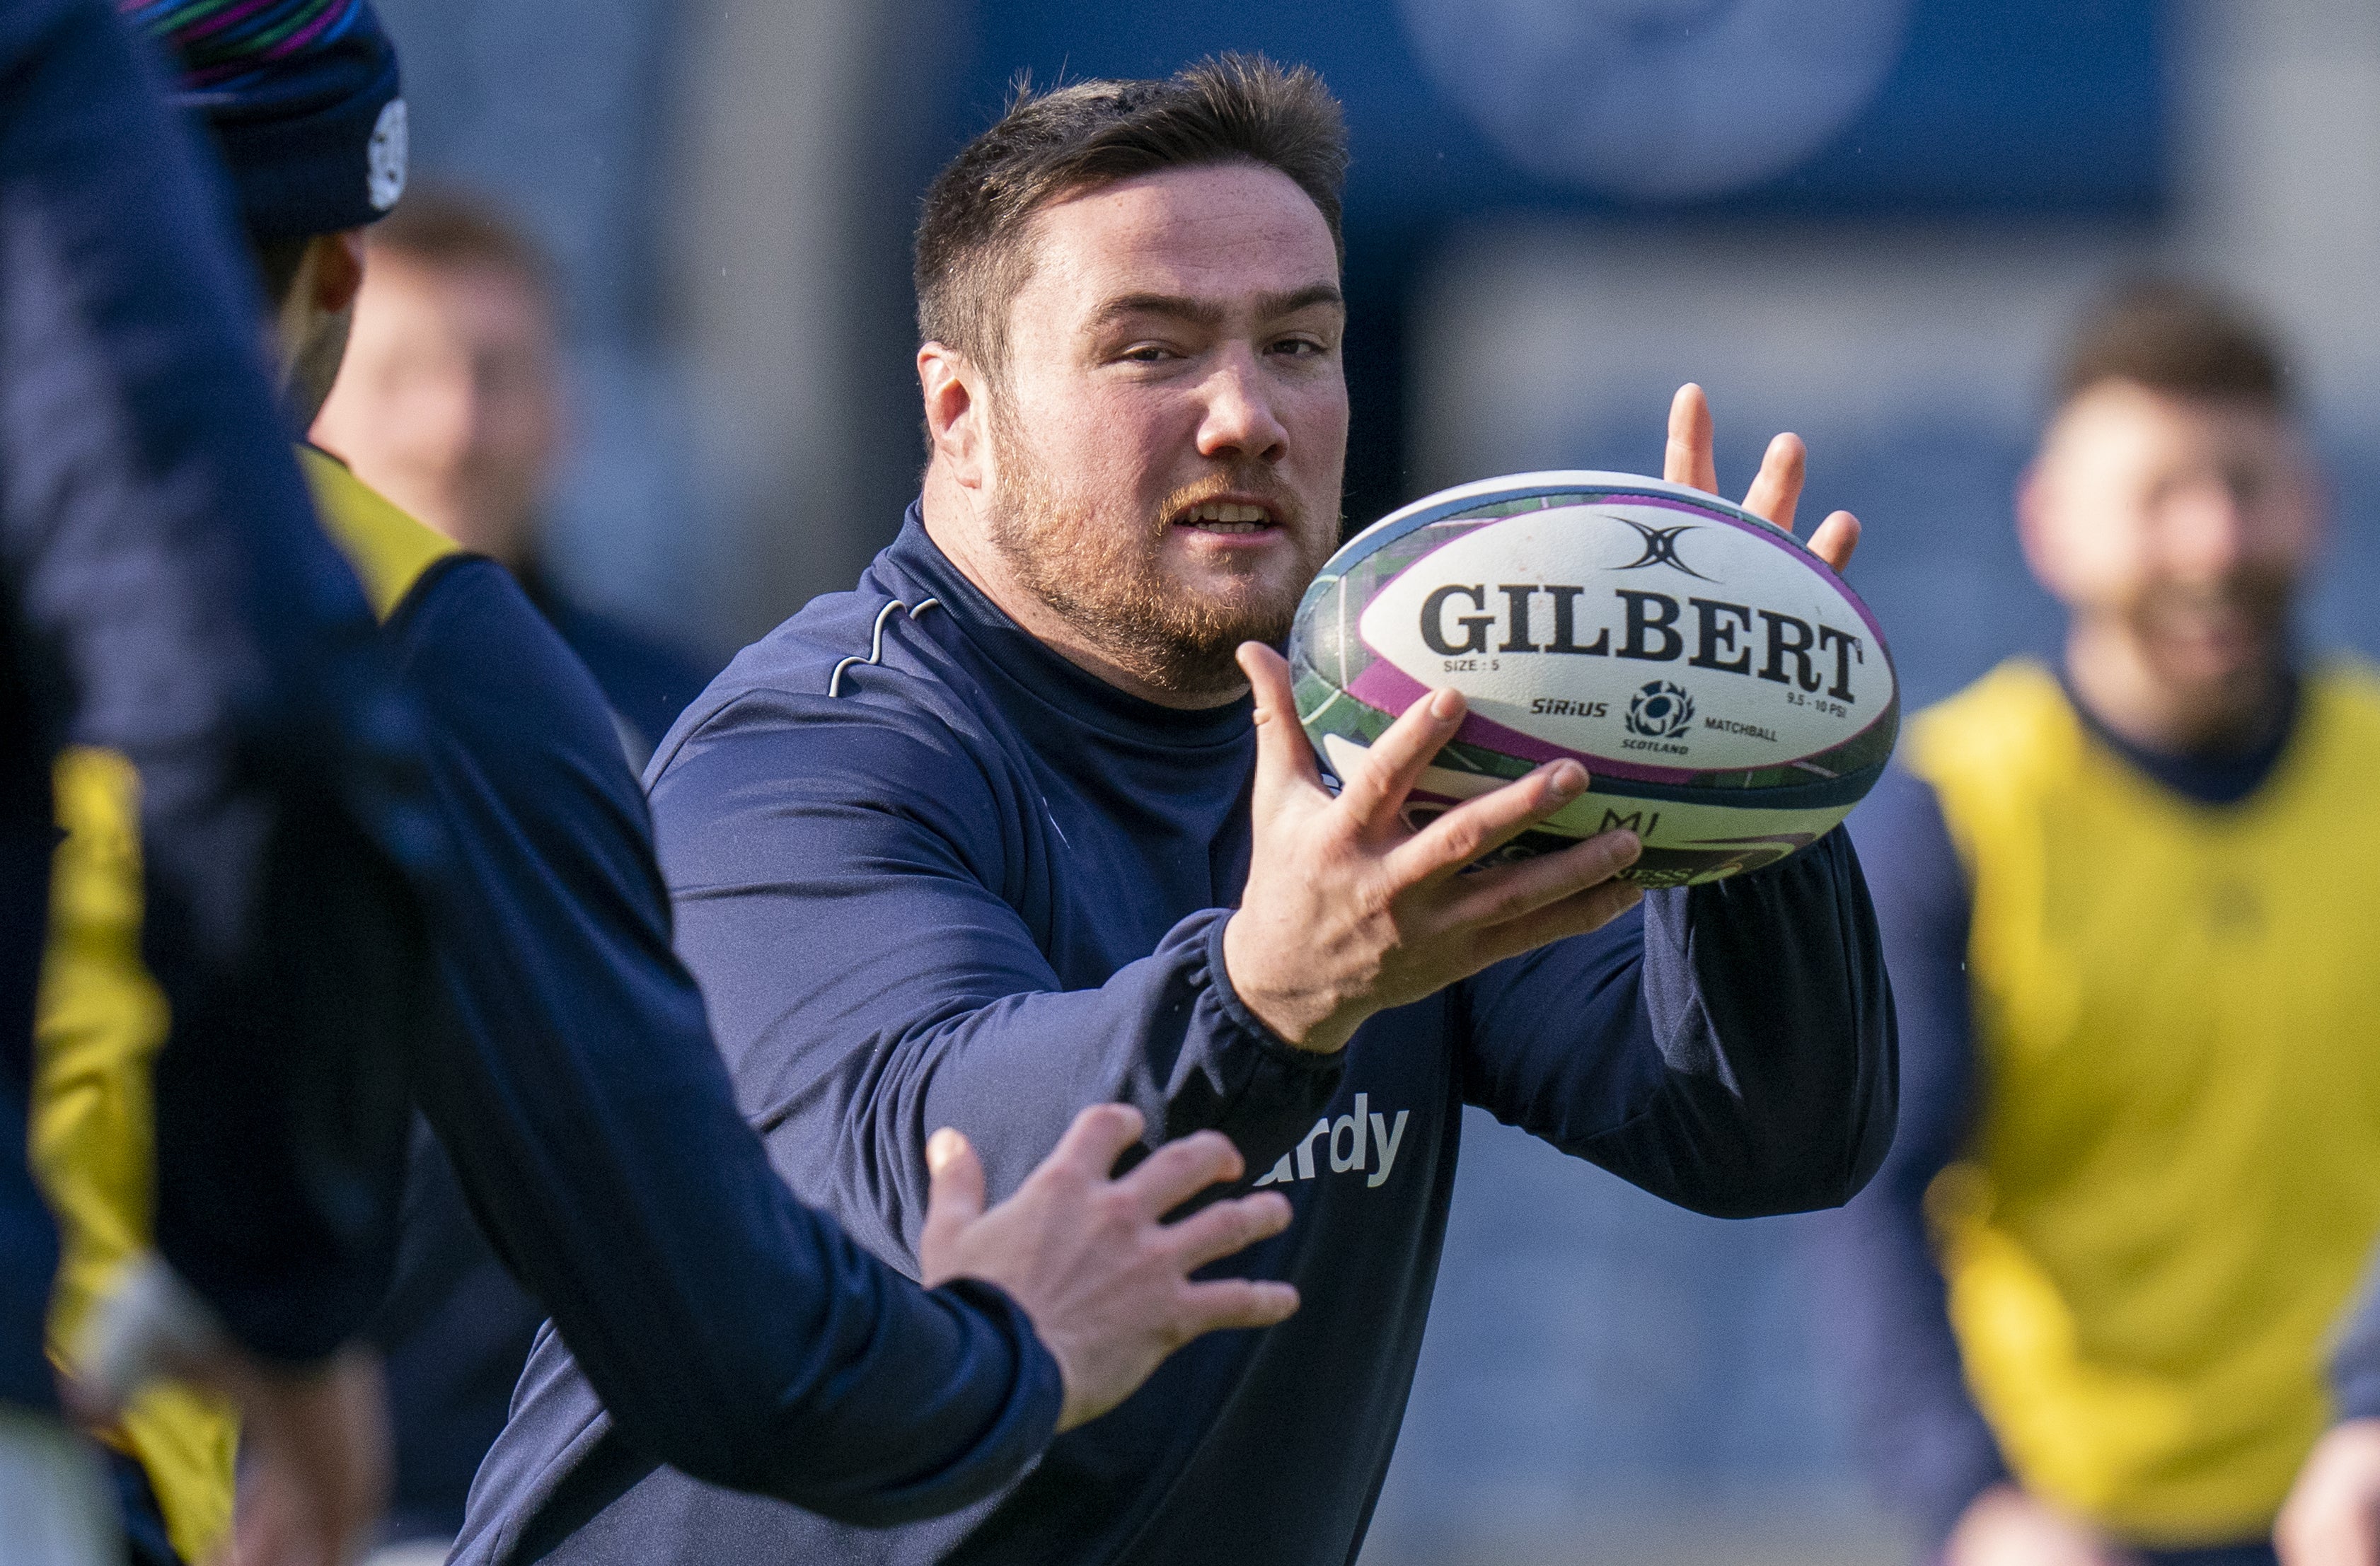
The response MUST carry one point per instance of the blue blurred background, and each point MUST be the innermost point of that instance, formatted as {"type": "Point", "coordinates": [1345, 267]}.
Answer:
{"type": "Point", "coordinates": [1865, 220]}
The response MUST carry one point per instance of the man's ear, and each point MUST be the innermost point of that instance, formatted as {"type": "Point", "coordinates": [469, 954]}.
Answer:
{"type": "Point", "coordinates": [336, 273]}
{"type": "Point", "coordinates": [956, 408]}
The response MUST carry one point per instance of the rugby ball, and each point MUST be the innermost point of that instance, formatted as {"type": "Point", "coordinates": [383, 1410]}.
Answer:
{"type": "Point", "coordinates": [1730, 697]}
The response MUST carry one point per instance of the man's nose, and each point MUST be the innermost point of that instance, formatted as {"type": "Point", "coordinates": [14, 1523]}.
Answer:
{"type": "Point", "coordinates": [2206, 531]}
{"type": "Point", "coordinates": [1239, 421]}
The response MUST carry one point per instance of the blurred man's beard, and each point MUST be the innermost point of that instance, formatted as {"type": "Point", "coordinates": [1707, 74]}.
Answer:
{"type": "Point", "coordinates": [1104, 578]}
{"type": "Point", "coordinates": [2219, 650]}
{"type": "Point", "coordinates": [2249, 610]}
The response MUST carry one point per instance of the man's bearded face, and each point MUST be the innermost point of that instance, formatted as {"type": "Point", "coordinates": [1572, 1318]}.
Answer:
{"type": "Point", "coordinates": [1168, 431]}
{"type": "Point", "coordinates": [1102, 561]}
{"type": "Point", "coordinates": [2185, 522]}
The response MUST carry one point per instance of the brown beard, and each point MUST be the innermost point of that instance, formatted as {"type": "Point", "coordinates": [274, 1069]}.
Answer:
{"type": "Point", "coordinates": [2227, 709]}
{"type": "Point", "coordinates": [2259, 595]}
{"type": "Point", "coordinates": [1104, 580]}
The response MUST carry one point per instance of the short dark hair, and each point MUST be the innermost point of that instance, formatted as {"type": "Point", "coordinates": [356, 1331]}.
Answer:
{"type": "Point", "coordinates": [439, 225]}
{"type": "Point", "coordinates": [2177, 338]}
{"type": "Point", "coordinates": [1229, 108]}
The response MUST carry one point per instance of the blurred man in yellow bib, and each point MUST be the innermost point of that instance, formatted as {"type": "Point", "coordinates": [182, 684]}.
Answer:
{"type": "Point", "coordinates": [2126, 908]}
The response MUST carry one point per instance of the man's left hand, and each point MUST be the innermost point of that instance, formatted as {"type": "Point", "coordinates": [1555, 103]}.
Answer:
{"type": "Point", "coordinates": [2332, 1517]}
{"type": "Point", "coordinates": [1774, 494]}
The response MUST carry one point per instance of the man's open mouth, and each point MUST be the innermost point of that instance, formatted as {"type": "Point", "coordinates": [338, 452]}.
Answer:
{"type": "Point", "coordinates": [1227, 517]}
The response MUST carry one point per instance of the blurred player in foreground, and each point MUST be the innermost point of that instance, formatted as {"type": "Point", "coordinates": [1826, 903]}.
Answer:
{"type": "Point", "coordinates": [1005, 833]}
{"type": "Point", "coordinates": [165, 594]}
{"type": "Point", "coordinates": [2127, 906]}
{"type": "Point", "coordinates": [563, 1058]}
{"type": "Point", "coordinates": [449, 402]}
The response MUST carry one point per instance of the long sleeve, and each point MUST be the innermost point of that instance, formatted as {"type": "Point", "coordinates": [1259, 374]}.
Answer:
{"type": "Point", "coordinates": [855, 890]}
{"type": "Point", "coordinates": [170, 597]}
{"type": "Point", "coordinates": [730, 1332]}
{"type": "Point", "coordinates": [1728, 1048]}
{"type": "Point", "coordinates": [2355, 1363]}
{"type": "Point", "coordinates": [1883, 1311]}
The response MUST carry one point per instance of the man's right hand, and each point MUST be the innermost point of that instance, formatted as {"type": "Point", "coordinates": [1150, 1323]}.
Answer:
{"type": "Point", "coordinates": [2332, 1517]}
{"type": "Point", "coordinates": [314, 1442]}
{"type": "Point", "coordinates": [1104, 1279]}
{"type": "Point", "coordinates": [1348, 911]}
{"type": "Point", "coordinates": [314, 1450]}
{"type": "Point", "coordinates": [2004, 1526]}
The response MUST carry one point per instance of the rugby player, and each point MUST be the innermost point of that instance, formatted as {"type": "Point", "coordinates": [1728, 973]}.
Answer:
{"type": "Point", "coordinates": [563, 1058]}
{"type": "Point", "coordinates": [163, 591]}
{"type": "Point", "coordinates": [2126, 898]}
{"type": "Point", "coordinates": [449, 402]}
{"type": "Point", "coordinates": [1032, 807]}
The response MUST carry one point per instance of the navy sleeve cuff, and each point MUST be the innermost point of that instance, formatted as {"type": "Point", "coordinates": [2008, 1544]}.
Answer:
{"type": "Point", "coordinates": [2355, 1364]}
{"type": "Point", "coordinates": [1276, 1089]}
{"type": "Point", "coordinates": [1219, 976]}
{"type": "Point", "coordinates": [1959, 1482]}
{"type": "Point", "coordinates": [1027, 1425]}
{"type": "Point", "coordinates": [2359, 1395]}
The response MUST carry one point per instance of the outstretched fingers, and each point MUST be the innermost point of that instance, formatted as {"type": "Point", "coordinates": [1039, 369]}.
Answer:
{"type": "Point", "coordinates": [1836, 537]}
{"type": "Point", "coordinates": [1092, 1143]}
{"type": "Point", "coordinates": [1213, 1233]}
{"type": "Point", "coordinates": [1514, 892]}
{"type": "Point", "coordinates": [1778, 488]}
{"type": "Point", "coordinates": [1481, 826]}
{"type": "Point", "coordinates": [1182, 1169]}
{"type": "Point", "coordinates": [1285, 759]}
{"type": "Point", "coordinates": [1687, 460]}
{"type": "Point", "coordinates": [1578, 914]}
{"type": "Point", "coordinates": [1231, 1303]}
{"type": "Point", "coordinates": [1378, 787]}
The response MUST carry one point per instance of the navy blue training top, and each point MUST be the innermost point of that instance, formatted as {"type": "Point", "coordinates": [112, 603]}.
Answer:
{"type": "Point", "coordinates": [930, 873]}
{"type": "Point", "coordinates": [456, 1329]}
{"type": "Point", "coordinates": [453, 1334]}
{"type": "Point", "coordinates": [1884, 1309]}
{"type": "Point", "coordinates": [571, 1079]}
{"type": "Point", "coordinates": [165, 592]}
{"type": "Point", "coordinates": [2355, 1363]}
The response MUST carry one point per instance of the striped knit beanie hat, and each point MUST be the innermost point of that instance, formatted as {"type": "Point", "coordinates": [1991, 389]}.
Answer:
{"type": "Point", "coordinates": [302, 97]}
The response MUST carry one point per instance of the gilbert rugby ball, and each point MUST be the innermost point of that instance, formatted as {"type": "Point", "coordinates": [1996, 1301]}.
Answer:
{"type": "Point", "coordinates": [1730, 697]}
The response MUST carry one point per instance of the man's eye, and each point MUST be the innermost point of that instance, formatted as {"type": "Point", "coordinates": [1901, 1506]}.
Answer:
{"type": "Point", "coordinates": [1297, 347]}
{"type": "Point", "coordinates": [1148, 353]}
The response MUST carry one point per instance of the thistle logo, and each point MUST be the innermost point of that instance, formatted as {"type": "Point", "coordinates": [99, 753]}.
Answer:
{"type": "Point", "coordinates": [1660, 710]}
{"type": "Point", "coordinates": [1660, 547]}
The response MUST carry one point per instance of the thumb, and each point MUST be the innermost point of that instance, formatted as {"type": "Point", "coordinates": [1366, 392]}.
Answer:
{"type": "Point", "coordinates": [954, 1203]}
{"type": "Point", "coordinates": [1284, 758]}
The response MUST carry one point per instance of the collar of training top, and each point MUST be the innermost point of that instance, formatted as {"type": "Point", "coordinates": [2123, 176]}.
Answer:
{"type": "Point", "coordinates": [1038, 673]}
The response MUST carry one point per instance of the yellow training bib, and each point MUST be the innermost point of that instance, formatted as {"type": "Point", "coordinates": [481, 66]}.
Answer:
{"type": "Point", "coordinates": [99, 1023]}
{"type": "Point", "coordinates": [2174, 1184]}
